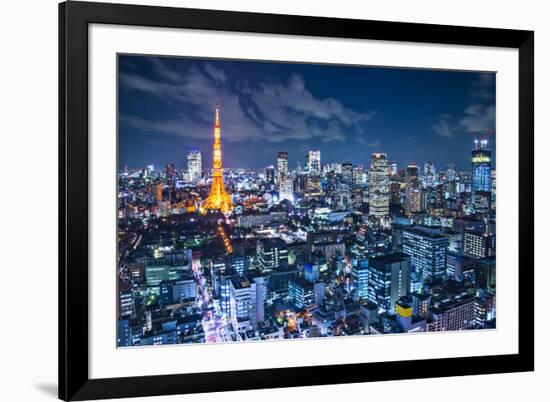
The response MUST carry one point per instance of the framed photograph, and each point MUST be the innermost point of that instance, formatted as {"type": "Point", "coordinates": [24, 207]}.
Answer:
{"type": "Point", "coordinates": [259, 201]}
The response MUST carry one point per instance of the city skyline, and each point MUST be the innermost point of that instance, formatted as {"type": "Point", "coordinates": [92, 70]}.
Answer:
{"type": "Point", "coordinates": [328, 248]}
{"type": "Point", "coordinates": [291, 107]}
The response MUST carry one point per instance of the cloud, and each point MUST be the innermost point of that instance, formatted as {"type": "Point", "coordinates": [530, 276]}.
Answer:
{"type": "Point", "coordinates": [295, 96]}
{"type": "Point", "coordinates": [217, 74]}
{"type": "Point", "coordinates": [478, 116]}
{"type": "Point", "coordinates": [271, 111]}
{"type": "Point", "coordinates": [444, 127]}
{"type": "Point", "coordinates": [162, 70]}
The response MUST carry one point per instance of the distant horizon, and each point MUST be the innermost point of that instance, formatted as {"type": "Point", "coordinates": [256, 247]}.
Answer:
{"type": "Point", "coordinates": [166, 109]}
{"type": "Point", "coordinates": [291, 166]}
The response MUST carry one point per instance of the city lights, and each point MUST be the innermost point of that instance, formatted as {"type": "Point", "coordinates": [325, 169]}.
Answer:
{"type": "Point", "coordinates": [294, 225]}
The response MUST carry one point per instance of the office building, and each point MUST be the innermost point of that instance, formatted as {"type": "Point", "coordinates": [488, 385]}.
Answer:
{"type": "Point", "coordinates": [388, 279]}
{"type": "Point", "coordinates": [360, 277]}
{"type": "Point", "coordinates": [194, 166]}
{"type": "Point", "coordinates": [481, 167]}
{"type": "Point", "coordinates": [272, 254]}
{"type": "Point", "coordinates": [282, 166]}
{"type": "Point", "coordinates": [379, 195]}
{"type": "Point", "coordinates": [427, 248]}
{"type": "Point", "coordinates": [479, 244]}
{"type": "Point", "coordinates": [313, 162]}
{"type": "Point", "coordinates": [453, 315]}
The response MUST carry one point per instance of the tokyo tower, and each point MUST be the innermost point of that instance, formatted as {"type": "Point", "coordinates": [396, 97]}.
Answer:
{"type": "Point", "coordinates": [218, 199]}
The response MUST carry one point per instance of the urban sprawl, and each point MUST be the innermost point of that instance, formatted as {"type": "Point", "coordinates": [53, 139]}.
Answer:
{"type": "Point", "coordinates": [324, 249]}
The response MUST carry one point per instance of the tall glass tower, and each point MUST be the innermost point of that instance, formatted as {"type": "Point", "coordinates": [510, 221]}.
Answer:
{"type": "Point", "coordinates": [379, 197]}
{"type": "Point", "coordinates": [481, 167]}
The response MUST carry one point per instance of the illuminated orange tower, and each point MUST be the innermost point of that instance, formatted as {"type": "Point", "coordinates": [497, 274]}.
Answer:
{"type": "Point", "coordinates": [218, 200]}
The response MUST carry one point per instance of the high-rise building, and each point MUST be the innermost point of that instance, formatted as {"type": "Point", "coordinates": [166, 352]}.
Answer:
{"type": "Point", "coordinates": [393, 168]}
{"type": "Point", "coordinates": [218, 200]}
{"type": "Point", "coordinates": [395, 192]}
{"type": "Point", "coordinates": [429, 174]}
{"type": "Point", "coordinates": [379, 196]}
{"type": "Point", "coordinates": [282, 166]}
{"type": "Point", "coordinates": [313, 162]}
{"type": "Point", "coordinates": [479, 244]}
{"type": "Point", "coordinates": [389, 279]}
{"type": "Point", "coordinates": [239, 264]}
{"type": "Point", "coordinates": [421, 303]}
{"type": "Point", "coordinates": [451, 172]}
{"type": "Point", "coordinates": [481, 167]}
{"type": "Point", "coordinates": [485, 273]}
{"type": "Point", "coordinates": [243, 301]}
{"type": "Point", "coordinates": [453, 315]}
{"type": "Point", "coordinates": [261, 289]}
{"type": "Point", "coordinates": [301, 293]}
{"type": "Point", "coordinates": [414, 198]}
{"type": "Point", "coordinates": [270, 175]}
{"type": "Point", "coordinates": [225, 296]}
{"type": "Point", "coordinates": [360, 177]}
{"type": "Point", "coordinates": [194, 165]}
{"type": "Point", "coordinates": [485, 309]}
{"type": "Point", "coordinates": [427, 248]}
{"type": "Point", "coordinates": [412, 172]}
{"type": "Point", "coordinates": [347, 173]}
{"type": "Point", "coordinates": [170, 172]}
{"type": "Point", "coordinates": [286, 187]}
{"type": "Point", "coordinates": [126, 303]}
{"type": "Point", "coordinates": [360, 275]}
{"type": "Point", "coordinates": [493, 189]}
{"type": "Point", "coordinates": [272, 254]}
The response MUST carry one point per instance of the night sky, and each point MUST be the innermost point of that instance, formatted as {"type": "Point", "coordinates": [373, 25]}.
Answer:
{"type": "Point", "coordinates": [166, 107]}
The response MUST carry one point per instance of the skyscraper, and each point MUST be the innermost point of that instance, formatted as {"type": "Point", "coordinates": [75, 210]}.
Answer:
{"type": "Point", "coordinates": [194, 165]}
{"type": "Point", "coordinates": [282, 166]}
{"type": "Point", "coordinates": [286, 189]}
{"type": "Point", "coordinates": [313, 161]}
{"type": "Point", "coordinates": [379, 198]}
{"type": "Point", "coordinates": [272, 254]}
{"type": "Point", "coordinates": [347, 173]}
{"type": "Point", "coordinates": [479, 244]}
{"type": "Point", "coordinates": [413, 198]}
{"type": "Point", "coordinates": [393, 168]}
{"type": "Point", "coordinates": [389, 279]}
{"type": "Point", "coordinates": [218, 199]}
{"type": "Point", "coordinates": [412, 172]}
{"type": "Point", "coordinates": [270, 175]}
{"type": "Point", "coordinates": [360, 275]}
{"type": "Point", "coordinates": [244, 302]}
{"type": "Point", "coordinates": [427, 248]}
{"type": "Point", "coordinates": [429, 174]}
{"type": "Point", "coordinates": [481, 167]}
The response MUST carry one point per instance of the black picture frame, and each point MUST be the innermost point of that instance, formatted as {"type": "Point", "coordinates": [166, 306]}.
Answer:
{"type": "Point", "coordinates": [74, 18]}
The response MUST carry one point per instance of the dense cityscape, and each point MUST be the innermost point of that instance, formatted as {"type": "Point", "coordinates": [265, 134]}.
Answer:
{"type": "Point", "coordinates": [213, 254]}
